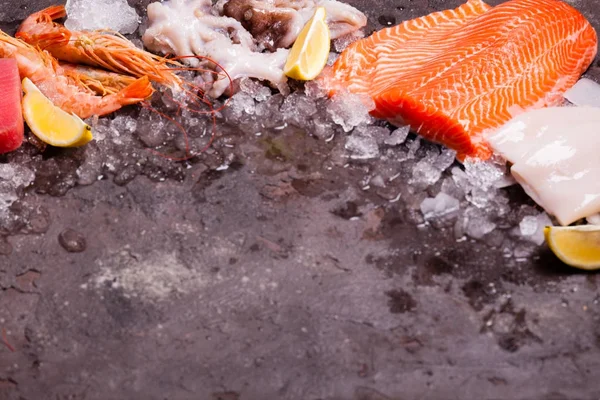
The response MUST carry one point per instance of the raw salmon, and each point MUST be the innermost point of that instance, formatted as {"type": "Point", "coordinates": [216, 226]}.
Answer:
{"type": "Point", "coordinates": [11, 117]}
{"type": "Point", "coordinates": [454, 74]}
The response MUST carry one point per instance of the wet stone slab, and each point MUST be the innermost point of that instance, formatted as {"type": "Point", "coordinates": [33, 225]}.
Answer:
{"type": "Point", "coordinates": [265, 269]}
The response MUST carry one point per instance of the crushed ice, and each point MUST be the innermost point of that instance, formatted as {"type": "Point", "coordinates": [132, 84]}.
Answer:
{"type": "Point", "coordinates": [469, 199]}
{"type": "Point", "coordinates": [12, 178]}
{"type": "Point", "coordinates": [532, 227]}
{"type": "Point", "coordinates": [115, 15]}
{"type": "Point", "coordinates": [440, 206]}
{"type": "Point", "coordinates": [341, 43]}
{"type": "Point", "coordinates": [350, 111]}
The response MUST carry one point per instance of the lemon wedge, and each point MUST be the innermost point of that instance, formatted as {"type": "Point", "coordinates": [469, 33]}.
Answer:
{"type": "Point", "coordinates": [309, 53]}
{"type": "Point", "coordinates": [577, 246]}
{"type": "Point", "coordinates": [51, 124]}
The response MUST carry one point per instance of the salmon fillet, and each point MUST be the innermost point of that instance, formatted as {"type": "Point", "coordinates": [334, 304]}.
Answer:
{"type": "Point", "coordinates": [454, 74]}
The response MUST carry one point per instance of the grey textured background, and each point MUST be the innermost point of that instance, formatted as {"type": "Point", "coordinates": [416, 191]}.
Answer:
{"type": "Point", "coordinates": [253, 284]}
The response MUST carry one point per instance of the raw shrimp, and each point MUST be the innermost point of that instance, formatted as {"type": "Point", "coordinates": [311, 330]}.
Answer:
{"type": "Point", "coordinates": [114, 53]}
{"type": "Point", "coordinates": [99, 81]}
{"type": "Point", "coordinates": [95, 48]}
{"type": "Point", "coordinates": [60, 86]}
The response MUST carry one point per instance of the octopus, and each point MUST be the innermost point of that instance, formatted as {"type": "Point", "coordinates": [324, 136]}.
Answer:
{"type": "Point", "coordinates": [277, 23]}
{"type": "Point", "coordinates": [237, 42]}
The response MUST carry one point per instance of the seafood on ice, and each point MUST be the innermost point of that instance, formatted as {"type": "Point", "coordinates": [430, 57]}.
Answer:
{"type": "Point", "coordinates": [195, 27]}
{"type": "Point", "coordinates": [554, 152]}
{"type": "Point", "coordinates": [455, 74]}
{"type": "Point", "coordinates": [100, 81]}
{"type": "Point", "coordinates": [188, 28]}
{"type": "Point", "coordinates": [95, 48]}
{"type": "Point", "coordinates": [277, 23]}
{"type": "Point", "coordinates": [61, 88]}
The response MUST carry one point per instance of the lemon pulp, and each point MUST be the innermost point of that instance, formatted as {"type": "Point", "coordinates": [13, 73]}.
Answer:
{"type": "Point", "coordinates": [577, 246]}
{"type": "Point", "coordinates": [51, 124]}
{"type": "Point", "coordinates": [309, 53]}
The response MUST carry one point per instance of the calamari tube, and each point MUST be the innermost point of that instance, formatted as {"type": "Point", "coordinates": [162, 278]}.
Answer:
{"type": "Point", "coordinates": [554, 152]}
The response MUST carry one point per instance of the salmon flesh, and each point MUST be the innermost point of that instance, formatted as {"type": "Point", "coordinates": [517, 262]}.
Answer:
{"type": "Point", "coordinates": [453, 75]}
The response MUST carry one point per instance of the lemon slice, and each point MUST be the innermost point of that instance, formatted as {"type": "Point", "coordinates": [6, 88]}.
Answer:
{"type": "Point", "coordinates": [51, 124]}
{"type": "Point", "coordinates": [309, 53]}
{"type": "Point", "coordinates": [577, 246]}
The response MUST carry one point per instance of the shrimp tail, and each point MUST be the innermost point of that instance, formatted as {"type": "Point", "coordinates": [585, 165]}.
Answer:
{"type": "Point", "coordinates": [138, 91]}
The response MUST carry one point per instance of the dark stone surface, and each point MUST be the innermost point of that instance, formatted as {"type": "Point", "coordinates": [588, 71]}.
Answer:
{"type": "Point", "coordinates": [278, 280]}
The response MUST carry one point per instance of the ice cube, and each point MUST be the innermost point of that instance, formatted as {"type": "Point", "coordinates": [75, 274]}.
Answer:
{"type": "Point", "coordinates": [529, 225]}
{"type": "Point", "coordinates": [314, 90]}
{"type": "Point", "coordinates": [445, 159]}
{"type": "Point", "coordinates": [151, 129]}
{"type": "Point", "coordinates": [16, 175]}
{"type": "Point", "coordinates": [116, 15]}
{"type": "Point", "coordinates": [440, 206]}
{"type": "Point", "coordinates": [255, 89]}
{"type": "Point", "coordinates": [484, 174]}
{"type": "Point", "coordinates": [505, 181]}
{"type": "Point", "coordinates": [524, 250]}
{"type": "Point", "coordinates": [342, 42]}
{"type": "Point", "coordinates": [532, 227]}
{"type": "Point", "coordinates": [12, 177]}
{"type": "Point", "coordinates": [123, 125]}
{"type": "Point", "coordinates": [474, 223]}
{"type": "Point", "coordinates": [379, 133]}
{"type": "Point", "coordinates": [298, 109]}
{"type": "Point", "coordinates": [451, 188]}
{"type": "Point", "coordinates": [8, 195]}
{"type": "Point", "coordinates": [429, 169]}
{"type": "Point", "coordinates": [477, 228]}
{"type": "Point", "coordinates": [350, 110]}
{"type": "Point", "coordinates": [241, 103]}
{"type": "Point", "coordinates": [460, 178]}
{"type": "Point", "coordinates": [398, 136]}
{"type": "Point", "coordinates": [362, 146]}
{"type": "Point", "coordinates": [268, 111]}
{"type": "Point", "coordinates": [101, 128]}
{"type": "Point", "coordinates": [172, 100]}
{"type": "Point", "coordinates": [91, 169]}
{"type": "Point", "coordinates": [479, 197]}
{"type": "Point", "coordinates": [425, 173]}
{"type": "Point", "coordinates": [413, 147]}
{"type": "Point", "coordinates": [323, 128]}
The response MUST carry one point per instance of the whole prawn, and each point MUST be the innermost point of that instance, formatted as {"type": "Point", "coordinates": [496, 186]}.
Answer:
{"type": "Point", "coordinates": [63, 86]}
{"type": "Point", "coordinates": [95, 48]}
